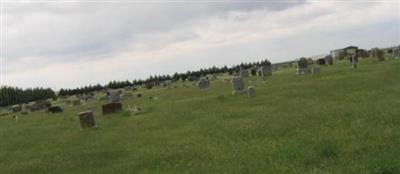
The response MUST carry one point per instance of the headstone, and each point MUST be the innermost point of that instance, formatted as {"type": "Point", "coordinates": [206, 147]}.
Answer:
{"type": "Point", "coordinates": [76, 102]}
{"type": "Point", "coordinates": [87, 119]}
{"type": "Point", "coordinates": [111, 108]}
{"type": "Point", "coordinates": [238, 85]}
{"type": "Point", "coordinates": [244, 73]}
{"type": "Point", "coordinates": [378, 54]}
{"type": "Point", "coordinates": [251, 91]}
{"type": "Point", "coordinates": [353, 61]}
{"type": "Point", "coordinates": [329, 59]}
{"type": "Point", "coordinates": [321, 61]}
{"type": "Point", "coordinates": [253, 71]}
{"type": "Point", "coordinates": [302, 66]}
{"type": "Point", "coordinates": [55, 109]}
{"type": "Point", "coordinates": [203, 84]}
{"type": "Point", "coordinates": [316, 70]}
{"type": "Point", "coordinates": [114, 97]}
{"type": "Point", "coordinates": [39, 105]}
{"type": "Point", "coordinates": [265, 71]}
{"type": "Point", "coordinates": [16, 108]}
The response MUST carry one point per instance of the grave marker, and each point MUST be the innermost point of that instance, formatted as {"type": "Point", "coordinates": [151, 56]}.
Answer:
{"type": "Point", "coordinates": [302, 66]}
{"type": "Point", "coordinates": [111, 108]}
{"type": "Point", "coordinates": [203, 84]}
{"type": "Point", "coordinates": [87, 119]}
{"type": "Point", "coordinates": [251, 91]}
{"type": "Point", "coordinates": [238, 85]}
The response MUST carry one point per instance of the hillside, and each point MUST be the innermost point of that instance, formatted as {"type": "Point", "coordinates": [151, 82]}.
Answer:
{"type": "Point", "coordinates": [341, 121]}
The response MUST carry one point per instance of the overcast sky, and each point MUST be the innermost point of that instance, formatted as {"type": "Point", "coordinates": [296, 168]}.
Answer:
{"type": "Point", "coordinates": [66, 44]}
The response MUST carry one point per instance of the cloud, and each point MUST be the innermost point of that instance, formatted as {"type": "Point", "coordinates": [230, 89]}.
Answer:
{"type": "Point", "coordinates": [117, 41]}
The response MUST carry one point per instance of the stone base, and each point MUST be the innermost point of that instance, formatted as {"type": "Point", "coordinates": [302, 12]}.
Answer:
{"type": "Point", "coordinates": [303, 70]}
{"type": "Point", "coordinates": [239, 92]}
{"type": "Point", "coordinates": [316, 70]}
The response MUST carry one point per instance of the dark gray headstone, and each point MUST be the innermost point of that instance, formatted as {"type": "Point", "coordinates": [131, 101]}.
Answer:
{"type": "Point", "coordinates": [238, 85]}
{"type": "Point", "coordinates": [265, 71]}
{"type": "Point", "coordinates": [302, 66]}
{"type": "Point", "coordinates": [244, 73]}
{"type": "Point", "coordinates": [203, 84]}
{"type": "Point", "coordinates": [354, 61]}
{"type": "Point", "coordinates": [111, 108]}
{"type": "Point", "coordinates": [87, 119]}
{"type": "Point", "coordinates": [114, 97]}
{"type": "Point", "coordinates": [55, 109]}
{"type": "Point", "coordinates": [251, 91]}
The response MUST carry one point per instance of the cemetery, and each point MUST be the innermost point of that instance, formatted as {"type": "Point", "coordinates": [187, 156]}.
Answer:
{"type": "Point", "coordinates": [337, 114]}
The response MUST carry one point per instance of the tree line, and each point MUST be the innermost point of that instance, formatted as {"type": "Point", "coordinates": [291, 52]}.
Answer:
{"type": "Point", "coordinates": [15, 95]}
{"type": "Point", "coordinates": [154, 80]}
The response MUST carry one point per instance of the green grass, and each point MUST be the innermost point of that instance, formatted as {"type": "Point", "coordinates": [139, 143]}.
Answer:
{"type": "Point", "coordinates": [341, 121]}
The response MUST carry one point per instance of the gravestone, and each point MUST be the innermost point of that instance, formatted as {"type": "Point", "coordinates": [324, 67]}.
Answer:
{"type": "Point", "coordinates": [316, 70]}
{"type": "Point", "coordinates": [329, 59]}
{"type": "Point", "coordinates": [55, 109]}
{"type": "Point", "coordinates": [353, 61]}
{"type": "Point", "coordinates": [302, 66]}
{"type": "Point", "coordinates": [87, 119]}
{"type": "Point", "coordinates": [251, 91]}
{"type": "Point", "coordinates": [321, 61]}
{"type": "Point", "coordinates": [24, 109]}
{"type": "Point", "coordinates": [378, 54]}
{"type": "Point", "coordinates": [76, 102]}
{"type": "Point", "coordinates": [203, 84]}
{"type": "Point", "coordinates": [16, 108]}
{"type": "Point", "coordinates": [238, 85]}
{"type": "Point", "coordinates": [114, 97]}
{"type": "Point", "coordinates": [253, 71]}
{"type": "Point", "coordinates": [265, 71]}
{"type": "Point", "coordinates": [244, 73]}
{"type": "Point", "coordinates": [39, 105]}
{"type": "Point", "coordinates": [111, 108]}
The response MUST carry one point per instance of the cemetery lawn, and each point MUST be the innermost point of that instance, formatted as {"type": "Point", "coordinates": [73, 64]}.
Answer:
{"type": "Point", "coordinates": [341, 121]}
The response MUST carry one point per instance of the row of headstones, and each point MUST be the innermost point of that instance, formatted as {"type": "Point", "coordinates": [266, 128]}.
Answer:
{"type": "Point", "coordinates": [114, 105]}
{"type": "Point", "coordinates": [262, 71]}
{"type": "Point", "coordinates": [37, 106]}
{"type": "Point", "coordinates": [87, 117]}
{"type": "Point", "coordinates": [237, 85]}
{"type": "Point", "coordinates": [302, 67]}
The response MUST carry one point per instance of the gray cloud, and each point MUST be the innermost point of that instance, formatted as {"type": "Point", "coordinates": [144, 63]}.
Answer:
{"type": "Point", "coordinates": [97, 42]}
{"type": "Point", "coordinates": [75, 29]}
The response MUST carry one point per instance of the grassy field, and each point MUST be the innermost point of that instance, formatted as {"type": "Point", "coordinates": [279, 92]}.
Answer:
{"type": "Point", "coordinates": [341, 121]}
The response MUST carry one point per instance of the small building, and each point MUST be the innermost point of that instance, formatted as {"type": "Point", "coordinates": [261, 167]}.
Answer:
{"type": "Point", "coordinates": [343, 52]}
